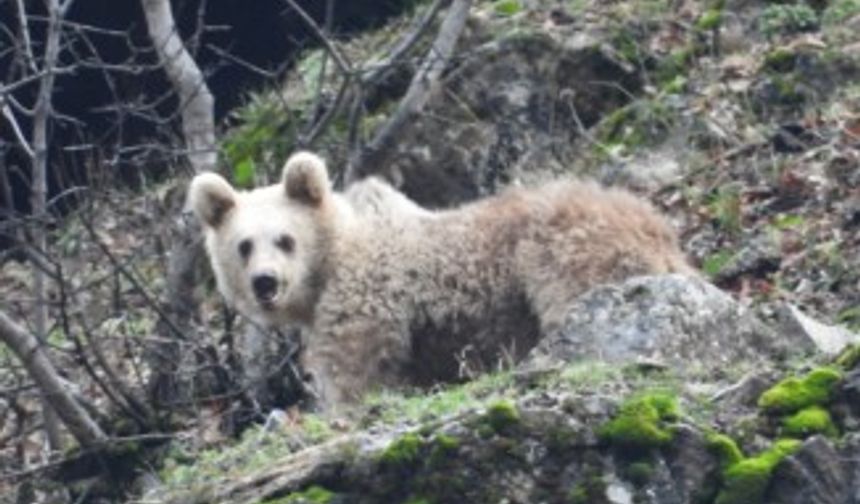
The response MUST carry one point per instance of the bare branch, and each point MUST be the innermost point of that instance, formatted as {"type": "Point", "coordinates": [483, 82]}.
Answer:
{"type": "Point", "coordinates": [373, 71]}
{"type": "Point", "coordinates": [339, 59]}
{"type": "Point", "coordinates": [40, 368]}
{"type": "Point", "coordinates": [421, 88]}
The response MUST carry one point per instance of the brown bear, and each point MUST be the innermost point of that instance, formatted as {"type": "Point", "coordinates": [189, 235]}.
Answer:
{"type": "Point", "coordinates": [389, 293]}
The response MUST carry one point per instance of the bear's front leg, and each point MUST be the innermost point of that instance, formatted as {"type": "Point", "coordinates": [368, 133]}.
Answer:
{"type": "Point", "coordinates": [354, 355]}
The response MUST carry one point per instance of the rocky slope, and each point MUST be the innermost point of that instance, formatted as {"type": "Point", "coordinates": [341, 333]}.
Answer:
{"type": "Point", "coordinates": [739, 118]}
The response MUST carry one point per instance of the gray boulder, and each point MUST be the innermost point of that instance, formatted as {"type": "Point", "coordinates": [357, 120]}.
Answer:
{"type": "Point", "coordinates": [673, 320]}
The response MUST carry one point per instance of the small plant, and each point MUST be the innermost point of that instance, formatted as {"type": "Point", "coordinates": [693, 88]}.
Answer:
{"type": "Point", "coordinates": [784, 19]}
{"type": "Point", "coordinates": [726, 208]}
{"type": "Point", "coordinates": [507, 7]}
{"type": "Point", "coordinates": [715, 263]}
{"type": "Point", "coordinates": [839, 11]}
{"type": "Point", "coordinates": [402, 451]}
{"type": "Point", "coordinates": [710, 20]}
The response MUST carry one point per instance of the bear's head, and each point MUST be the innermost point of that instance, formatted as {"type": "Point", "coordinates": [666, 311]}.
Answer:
{"type": "Point", "coordinates": [268, 246]}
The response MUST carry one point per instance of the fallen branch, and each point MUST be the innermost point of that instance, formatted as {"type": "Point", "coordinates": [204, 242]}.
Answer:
{"type": "Point", "coordinates": [40, 368]}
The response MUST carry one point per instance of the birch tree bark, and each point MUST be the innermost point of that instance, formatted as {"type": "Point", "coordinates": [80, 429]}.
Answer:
{"type": "Point", "coordinates": [195, 101]}
{"type": "Point", "coordinates": [198, 126]}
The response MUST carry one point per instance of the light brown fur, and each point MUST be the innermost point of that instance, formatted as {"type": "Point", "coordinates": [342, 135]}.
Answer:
{"type": "Point", "coordinates": [398, 291]}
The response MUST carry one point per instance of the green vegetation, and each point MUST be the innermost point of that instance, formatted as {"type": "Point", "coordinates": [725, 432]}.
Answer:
{"type": "Point", "coordinates": [641, 423]}
{"type": "Point", "coordinates": [714, 264]}
{"type": "Point", "coordinates": [782, 19]}
{"type": "Point", "coordinates": [639, 473]}
{"type": "Point", "coordinates": [644, 122]}
{"type": "Point", "coordinates": [501, 416]}
{"type": "Point", "coordinates": [726, 208]}
{"type": "Point", "coordinates": [850, 318]}
{"type": "Point", "coordinates": [390, 407]}
{"type": "Point", "coordinates": [793, 394]}
{"type": "Point", "coordinates": [590, 489]}
{"type": "Point", "coordinates": [402, 451]}
{"type": "Point", "coordinates": [745, 481]}
{"type": "Point", "coordinates": [725, 448]}
{"type": "Point", "coordinates": [444, 447]}
{"type": "Point", "coordinates": [780, 60]}
{"type": "Point", "coordinates": [710, 20]}
{"type": "Point", "coordinates": [313, 495]}
{"type": "Point", "coordinates": [507, 7]}
{"type": "Point", "coordinates": [809, 421]}
{"type": "Point", "coordinates": [264, 133]}
{"type": "Point", "coordinates": [839, 11]}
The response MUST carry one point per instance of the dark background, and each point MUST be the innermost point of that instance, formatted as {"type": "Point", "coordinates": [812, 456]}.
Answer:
{"type": "Point", "coordinates": [123, 145]}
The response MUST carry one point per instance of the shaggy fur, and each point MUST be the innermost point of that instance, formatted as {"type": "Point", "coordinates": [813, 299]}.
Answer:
{"type": "Point", "coordinates": [391, 293]}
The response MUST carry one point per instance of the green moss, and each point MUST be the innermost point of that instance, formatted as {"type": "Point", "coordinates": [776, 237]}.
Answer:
{"type": "Point", "coordinates": [444, 447]}
{"type": "Point", "coordinates": [641, 422]}
{"type": "Point", "coordinates": [780, 60]}
{"type": "Point", "coordinates": [402, 451]}
{"type": "Point", "coordinates": [809, 421]}
{"type": "Point", "coordinates": [591, 489]}
{"type": "Point", "coordinates": [313, 495]}
{"type": "Point", "coordinates": [639, 473]}
{"type": "Point", "coordinates": [501, 416]}
{"type": "Point", "coordinates": [850, 318]}
{"type": "Point", "coordinates": [793, 394]}
{"type": "Point", "coordinates": [507, 7]}
{"type": "Point", "coordinates": [745, 482]}
{"type": "Point", "coordinates": [725, 449]}
{"type": "Point", "coordinates": [578, 495]}
{"type": "Point", "coordinates": [676, 64]}
{"type": "Point", "coordinates": [710, 20]}
{"type": "Point", "coordinates": [849, 357]}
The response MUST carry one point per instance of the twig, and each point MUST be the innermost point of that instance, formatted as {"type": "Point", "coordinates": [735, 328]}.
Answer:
{"type": "Point", "coordinates": [339, 59]}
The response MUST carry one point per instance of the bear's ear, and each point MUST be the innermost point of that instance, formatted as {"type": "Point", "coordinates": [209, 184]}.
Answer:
{"type": "Point", "coordinates": [306, 178]}
{"type": "Point", "coordinates": [211, 198]}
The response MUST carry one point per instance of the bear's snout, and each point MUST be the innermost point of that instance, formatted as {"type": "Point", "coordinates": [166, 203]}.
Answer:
{"type": "Point", "coordinates": [265, 286]}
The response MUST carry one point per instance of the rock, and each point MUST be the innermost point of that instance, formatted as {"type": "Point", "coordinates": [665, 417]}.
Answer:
{"type": "Point", "coordinates": [799, 326]}
{"type": "Point", "coordinates": [510, 112]}
{"type": "Point", "coordinates": [673, 319]}
{"type": "Point", "coordinates": [815, 474]}
{"type": "Point", "coordinates": [757, 258]}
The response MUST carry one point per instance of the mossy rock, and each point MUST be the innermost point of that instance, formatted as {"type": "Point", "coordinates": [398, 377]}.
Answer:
{"type": "Point", "coordinates": [809, 421]}
{"type": "Point", "coordinates": [501, 418]}
{"type": "Point", "coordinates": [725, 449]}
{"type": "Point", "coordinates": [746, 481]}
{"type": "Point", "coordinates": [794, 394]}
{"type": "Point", "coordinates": [641, 423]}
{"type": "Point", "coordinates": [404, 451]}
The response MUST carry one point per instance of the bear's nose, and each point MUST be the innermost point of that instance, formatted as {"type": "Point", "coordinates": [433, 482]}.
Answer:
{"type": "Point", "coordinates": [265, 286]}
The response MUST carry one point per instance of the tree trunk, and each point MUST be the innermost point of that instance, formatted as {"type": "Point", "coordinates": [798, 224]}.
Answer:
{"type": "Point", "coordinates": [42, 114]}
{"type": "Point", "coordinates": [195, 101]}
{"type": "Point", "coordinates": [198, 126]}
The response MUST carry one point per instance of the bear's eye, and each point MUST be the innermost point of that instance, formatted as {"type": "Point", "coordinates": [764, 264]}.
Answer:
{"type": "Point", "coordinates": [286, 243]}
{"type": "Point", "coordinates": [245, 248]}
